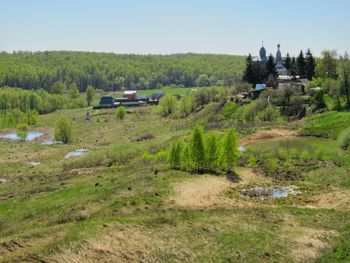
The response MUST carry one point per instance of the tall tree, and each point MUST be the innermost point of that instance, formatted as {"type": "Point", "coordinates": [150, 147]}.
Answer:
{"type": "Point", "coordinates": [301, 65]}
{"type": "Point", "coordinates": [73, 90]}
{"type": "Point", "coordinates": [198, 149]}
{"type": "Point", "coordinates": [310, 65]}
{"type": "Point", "coordinates": [288, 62]}
{"type": "Point", "coordinates": [248, 72]}
{"type": "Point", "coordinates": [212, 150]}
{"type": "Point", "coordinates": [174, 157]}
{"type": "Point", "coordinates": [293, 68]}
{"type": "Point", "coordinates": [90, 93]}
{"type": "Point", "coordinates": [271, 66]}
{"type": "Point", "coordinates": [344, 70]}
{"type": "Point", "coordinates": [230, 150]}
{"type": "Point", "coordinates": [327, 68]}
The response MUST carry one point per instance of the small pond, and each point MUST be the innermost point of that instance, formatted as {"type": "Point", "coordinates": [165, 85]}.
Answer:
{"type": "Point", "coordinates": [31, 136]}
{"type": "Point", "coordinates": [271, 192]}
{"type": "Point", "coordinates": [76, 153]}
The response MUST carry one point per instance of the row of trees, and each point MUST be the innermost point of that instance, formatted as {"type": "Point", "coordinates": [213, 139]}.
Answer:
{"type": "Point", "coordinates": [110, 71]}
{"type": "Point", "coordinates": [257, 72]}
{"type": "Point", "coordinates": [23, 106]}
{"type": "Point", "coordinates": [205, 152]}
{"type": "Point", "coordinates": [303, 66]}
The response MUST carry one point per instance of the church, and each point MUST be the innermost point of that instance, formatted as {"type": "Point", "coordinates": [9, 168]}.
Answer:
{"type": "Point", "coordinates": [281, 70]}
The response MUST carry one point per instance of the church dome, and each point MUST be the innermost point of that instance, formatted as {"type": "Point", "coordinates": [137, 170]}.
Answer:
{"type": "Point", "coordinates": [263, 56]}
{"type": "Point", "coordinates": [262, 52]}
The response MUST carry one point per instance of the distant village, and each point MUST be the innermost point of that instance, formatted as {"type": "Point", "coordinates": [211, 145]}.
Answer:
{"type": "Point", "coordinates": [262, 72]}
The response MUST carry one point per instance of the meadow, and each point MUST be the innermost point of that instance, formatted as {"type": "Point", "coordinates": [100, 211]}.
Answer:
{"type": "Point", "coordinates": [116, 203]}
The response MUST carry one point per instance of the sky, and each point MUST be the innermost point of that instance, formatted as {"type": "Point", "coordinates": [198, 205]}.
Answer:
{"type": "Point", "coordinates": [175, 26]}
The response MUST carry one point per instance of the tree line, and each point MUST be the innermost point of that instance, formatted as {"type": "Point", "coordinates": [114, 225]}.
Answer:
{"type": "Point", "coordinates": [108, 71]}
{"type": "Point", "coordinates": [257, 72]}
{"type": "Point", "coordinates": [23, 106]}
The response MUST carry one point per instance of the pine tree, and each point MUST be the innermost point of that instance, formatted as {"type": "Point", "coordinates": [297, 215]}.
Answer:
{"type": "Point", "coordinates": [288, 62]}
{"type": "Point", "coordinates": [293, 68]}
{"type": "Point", "coordinates": [310, 65]}
{"type": "Point", "coordinates": [248, 75]}
{"type": "Point", "coordinates": [301, 65]}
{"type": "Point", "coordinates": [198, 149]}
{"type": "Point", "coordinates": [271, 66]}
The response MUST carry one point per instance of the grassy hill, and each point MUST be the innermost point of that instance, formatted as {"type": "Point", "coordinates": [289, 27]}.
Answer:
{"type": "Point", "coordinates": [116, 203]}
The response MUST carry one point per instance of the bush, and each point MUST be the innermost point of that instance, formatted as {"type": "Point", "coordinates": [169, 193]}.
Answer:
{"type": "Point", "coordinates": [167, 105]}
{"type": "Point", "coordinates": [90, 93]}
{"type": "Point", "coordinates": [187, 106]}
{"type": "Point", "coordinates": [120, 113]}
{"type": "Point", "coordinates": [22, 131]}
{"type": "Point", "coordinates": [269, 114]}
{"type": "Point", "coordinates": [344, 139]}
{"type": "Point", "coordinates": [174, 158]}
{"type": "Point", "coordinates": [63, 129]}
{"type": "Point", "coordinates": [229, 110]}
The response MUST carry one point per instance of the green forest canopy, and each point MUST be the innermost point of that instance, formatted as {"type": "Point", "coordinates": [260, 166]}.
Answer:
{"type": "Point", "coordinates": [109, 71]}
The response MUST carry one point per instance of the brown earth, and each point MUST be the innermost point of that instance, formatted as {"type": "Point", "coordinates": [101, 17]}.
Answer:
{"type": "Point", "coordinates": [208, 191]}
{"type": "Point", "coordinates": [267, 134]}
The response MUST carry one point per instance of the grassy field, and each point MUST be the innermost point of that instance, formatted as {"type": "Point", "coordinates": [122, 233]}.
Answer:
{"type": "Point", "coordinates": [165, 90]}
{"type": "Point", "coordinates": [114, 205]}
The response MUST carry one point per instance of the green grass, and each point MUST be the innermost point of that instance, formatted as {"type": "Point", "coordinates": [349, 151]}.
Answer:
{"type": "Point", "coordinates": [65, 203]}
{"type": "Point", "coordinates": [166, 90]}
{"type": "Point", "coordinates": [328, 125]}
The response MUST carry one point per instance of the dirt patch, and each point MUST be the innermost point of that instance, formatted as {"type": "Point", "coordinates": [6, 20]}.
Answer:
{"type": "Point", "coordinates": [308, 243]}
{"type": "Point", "coordinates": [335, 199]}
{"type": "Point", "coordinates": [204, 191]}
{"type": "Point", "coordinates": [208, 191]}
{"type": "Point", "coordinates": [125, 245]}
{"type": "Point", "coordinates": [143, 138]}
{"type": "Point", "coordinates": [267, 134]}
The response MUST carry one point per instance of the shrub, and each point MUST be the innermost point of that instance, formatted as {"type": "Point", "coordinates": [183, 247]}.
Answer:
{"type": "Point", "coordinates": [120, 113]}
{"type": "Point", "coordinates": [174, 158]}
{"type": "Point", "coordinates": [167, 105]}
{"type": "Point", "coordinates": [63, 129]}
{"type": "Point", "coordinates": [305, 155]}
{"type": "Point", "coordinates": [229, 110]}
{"type": "Point", "coordinates": [344, 139]}
{"type": "Point", "coordinates": [22, 131]}
{"type": "Point", "coordinates": [271, 166]}
{"type": "Point", "coordinates": [90, 93]}
{"type": "Point", "coordinates": [187, 106]}
{"type": "Point", "coordinates": [252, 161]}
{"type": "Point", "coordinates": [269, 114]}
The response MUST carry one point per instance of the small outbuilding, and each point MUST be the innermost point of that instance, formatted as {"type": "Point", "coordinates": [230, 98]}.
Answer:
{"type": "Point", "coordinates": [130, 94]}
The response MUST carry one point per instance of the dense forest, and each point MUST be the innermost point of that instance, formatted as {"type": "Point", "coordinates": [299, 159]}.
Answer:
{"type": "Point", "coordinates": [110, 71]}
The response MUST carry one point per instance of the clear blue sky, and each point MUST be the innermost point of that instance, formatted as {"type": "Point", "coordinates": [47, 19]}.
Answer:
{"type": "Point", "coordinates": [175, 26]}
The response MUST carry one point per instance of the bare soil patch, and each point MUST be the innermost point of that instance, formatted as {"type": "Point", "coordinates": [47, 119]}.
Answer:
{"type": "Point", "coordinates": [307, 244]}
{"type": "Point", "coordinates": [335, 199]}
{"type": "Point", "coordinates": [267, 134]}
{"type": "Point", "coordinates": [208, 191]}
